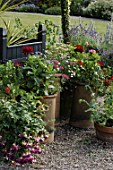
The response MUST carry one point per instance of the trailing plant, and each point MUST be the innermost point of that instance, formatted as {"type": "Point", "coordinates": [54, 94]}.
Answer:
{"type": "Point", "coordinates": [22, 129]}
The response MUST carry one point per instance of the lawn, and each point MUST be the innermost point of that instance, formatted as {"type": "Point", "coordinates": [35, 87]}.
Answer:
{"type": "Point", "coordinates": [32, 18]}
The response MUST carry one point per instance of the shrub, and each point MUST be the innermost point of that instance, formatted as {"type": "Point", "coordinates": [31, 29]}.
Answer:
{"type": "Point", "coordinates": [99, 9]}
{"type": "Point", "coordinates": [76, 6]}
{"type": "Point", "coordinates": [53, 11]}
{"type": "Point", "coordinates": [28, 8]}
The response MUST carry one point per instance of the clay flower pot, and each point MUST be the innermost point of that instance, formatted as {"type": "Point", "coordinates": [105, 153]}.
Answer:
{"type": "Point", "coordinates": [104, 133]}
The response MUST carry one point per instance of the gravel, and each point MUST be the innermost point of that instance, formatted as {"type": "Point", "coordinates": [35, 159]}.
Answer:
{"type": "Point", "coordinates": [73, 149]}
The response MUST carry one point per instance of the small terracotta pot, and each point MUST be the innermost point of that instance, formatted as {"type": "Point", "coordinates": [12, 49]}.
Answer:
{"type": "Point", "coordinates": [104, 133]}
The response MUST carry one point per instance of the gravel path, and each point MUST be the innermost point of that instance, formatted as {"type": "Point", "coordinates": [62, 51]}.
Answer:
{"type": "Point", "coordinates": [73, 149]}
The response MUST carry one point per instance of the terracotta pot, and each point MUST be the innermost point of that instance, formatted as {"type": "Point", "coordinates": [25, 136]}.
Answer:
{"type": "Point", "coordinates": [79, 118]}
{"type": "Point", "coordinates": [66, 97]}
{"type": "Point", "coordinates": [50, 138]}
{"type": "Point", "coordinates": [104, 133]}
{"type": "Point", "coordinates": [50, 115]}
{"type": "Point", "coordinates": [57, 110]}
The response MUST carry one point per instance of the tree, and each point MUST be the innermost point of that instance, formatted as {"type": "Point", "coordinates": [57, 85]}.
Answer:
{"type": "Point", "coordinates": [65, 14]}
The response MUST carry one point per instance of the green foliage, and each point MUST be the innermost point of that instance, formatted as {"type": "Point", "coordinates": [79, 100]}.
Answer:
{"type": "Point", "coordinates": [17, 34]}
{"type": "Point", "coordinates": [101, 108]}
{"type": "Point", "coordinates": [49, 3]}
{"type": "Point", "coordinates": [20, 124]}
{"type": "Point", "coordinates": [21, 113]}
{"type": "Point", "coordinates": [76, 7]}
{"type": "Point", "coordinates": [53, 10]}
{"type": "Point", "coordinates": [39, 77]}
{"type": "Point", "coordinates": [99, 9]}
{"type": "Point", "coordinates": [28, 8]}
{"type": "Point", "coordinates": [9, 5]}
{"type": "Point", "coordinates": [65, 14]}
{"type": "Point", "coordinates": [52, 33]}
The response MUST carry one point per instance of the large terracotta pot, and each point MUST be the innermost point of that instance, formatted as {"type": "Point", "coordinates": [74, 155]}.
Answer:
{"type": "Point", "coordinates": [66, 97]}
{"type": "Point", "coordinates": [79, 118]}
{"type": "Point", "coordinates": [57, 110]}
{"type": "Point", "coordinates": [50, 116]}
{"type": "Point", "coordinates": [104, 133]}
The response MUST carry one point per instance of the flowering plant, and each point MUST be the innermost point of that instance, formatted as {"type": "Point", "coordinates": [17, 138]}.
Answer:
{"type": "Point", "coordinates": [22, 129]}
{"type": "Point", "coordinates": [101, 108]}
{"type": "Point", "coordinates": [79, 64]}
{"type": "Point", "coordinates": [39, 76]}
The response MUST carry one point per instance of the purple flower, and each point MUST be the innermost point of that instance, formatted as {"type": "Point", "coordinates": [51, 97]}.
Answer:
{"type": "Point", "coordinates": [32, 150]}
{"type": "Point", "coordinates": [21, 136]}
{"type": "Point", "coordinates": [15, 148]}
{"type": "Point", "coordinates": [39, 150]}
{"type": "Point", "coordinates": [26, 155]}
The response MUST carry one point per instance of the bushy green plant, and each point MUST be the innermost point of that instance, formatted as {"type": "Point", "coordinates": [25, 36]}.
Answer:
{"type": "Point", "coordinates": [53, 11]}
{"type": "Point", "coordinates": [17, 34]}
{"type": "Point", "coordinates": [28, 8]}
{"type": "Point", "coordinates": [101, 109]}
{"type": "Point", "coordinates": [22, 129]}
{"type": "Point", "coordinates": [9, 5]}
{"type": "Point", "coordinates": [99, 9]}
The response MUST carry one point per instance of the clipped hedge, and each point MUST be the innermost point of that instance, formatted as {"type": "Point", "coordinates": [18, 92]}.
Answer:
{"type": "Point", "coordinates": [101, 9]}
{"type": "Point", "coordinates": [53, 11]}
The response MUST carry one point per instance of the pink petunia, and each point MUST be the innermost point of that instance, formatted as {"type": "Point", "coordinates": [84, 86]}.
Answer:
{"type": "Point", "coordinates": [65, 76]}
{"type": "Point", "coordinates": [55, 62]}
{"type": "Point", "coordinates": [92, 51]}
{"type": "Point", "coordinates": [61, 67]}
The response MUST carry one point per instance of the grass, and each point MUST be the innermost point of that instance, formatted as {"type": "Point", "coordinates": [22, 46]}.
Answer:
{"type": "Point", "coordinates": [29, 19]}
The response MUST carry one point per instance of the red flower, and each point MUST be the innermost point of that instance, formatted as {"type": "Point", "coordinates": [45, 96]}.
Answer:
{"type": "Point", "coordinates": [44, 97]}
{"type": "Point", "coordinates": [107, 82]}
{"type": "Point", "coordinates": [111, 78]}
{"type": "Point", "coordinates": [80, 63]}
{"type": "Point", "coordinates": [18, 64]}
{"type": "Point", "coordinates": [79, 48]}
{"type": "Point", "coordinates": [7, 90]}
{"type": "Point", "coordinates": [100, 63]}
{"type": "Point", "coordinates": [27, 50]}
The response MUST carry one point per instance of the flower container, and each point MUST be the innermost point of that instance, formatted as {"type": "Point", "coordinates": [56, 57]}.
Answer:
{"type": "Point", "coordinates": [57, 110]}
{"type": "Point", "coordinates": [104, 133]}
{"type": "Point", "coordinates": [14, 52]}
{"type": "Point", "coordinates": [50, 116]}
{"type": "Point", "coordinates": [79, 118]}
{"type": "Point", "coordinates": [66, 97]}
